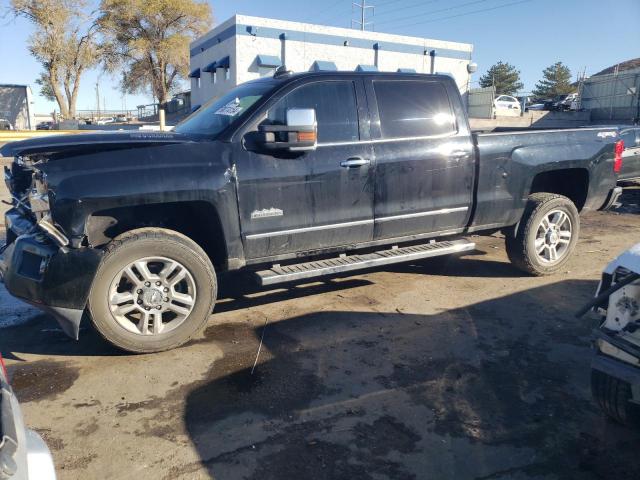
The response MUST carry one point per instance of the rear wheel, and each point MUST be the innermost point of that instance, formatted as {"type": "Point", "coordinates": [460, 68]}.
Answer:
{"type": "Point", "coordinates": [153, 291]}
{"type": "Point", "coordinates": [546, 236]}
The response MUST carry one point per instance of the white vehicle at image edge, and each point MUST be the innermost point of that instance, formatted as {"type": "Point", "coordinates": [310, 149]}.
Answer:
{"type": "Point", "coordinates": [506, 106]}
{"type": "Point", "coordinates": [23, 453]}
{"type": "Point", "coordinates": [615, 367]}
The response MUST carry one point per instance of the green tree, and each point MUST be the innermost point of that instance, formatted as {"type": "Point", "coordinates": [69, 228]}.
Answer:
{"type": "Point", "coordinates": [148, 41]}
{"type": "Point", "coordinates": [504, 76]}
{"type": "Point", "coordinates": [64, 43]}
{"type": "Point", "coordinates": [556, 80]}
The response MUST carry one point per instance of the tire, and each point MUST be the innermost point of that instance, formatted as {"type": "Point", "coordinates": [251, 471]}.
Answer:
{"type": "Point", "coordinates": [521, 243]}
{"type": "Point", "coordinates": [154, 290]}
{"type": "Point", "coordinates": [613, 396]}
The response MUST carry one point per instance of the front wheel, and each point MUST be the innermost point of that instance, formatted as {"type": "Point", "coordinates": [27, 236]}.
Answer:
{"type": "Point", "coordinates": [546, 236]}
{"type": "Point", "coordinates": [153, 291]}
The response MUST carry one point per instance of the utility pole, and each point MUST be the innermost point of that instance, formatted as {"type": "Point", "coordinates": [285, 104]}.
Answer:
{"type": "Point", "coordinates": [363, 14]}
{"type": "Point", "coordinates": [98, 99]}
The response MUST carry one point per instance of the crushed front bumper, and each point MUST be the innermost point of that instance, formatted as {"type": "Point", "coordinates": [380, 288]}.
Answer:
{"type": "Point", "coordinates": [56, 280]}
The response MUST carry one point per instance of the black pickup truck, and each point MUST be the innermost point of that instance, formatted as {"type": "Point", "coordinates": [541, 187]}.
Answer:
{"type": "Point", "coordinates": [293, 177]}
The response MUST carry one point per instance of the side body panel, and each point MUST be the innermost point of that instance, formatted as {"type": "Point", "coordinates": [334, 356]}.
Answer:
{"type": "Point", "coordinates": [509, 162]}
{"type": "Point", "coordinates": [422, 185]}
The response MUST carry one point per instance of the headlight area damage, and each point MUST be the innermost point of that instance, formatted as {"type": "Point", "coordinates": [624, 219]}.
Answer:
{"type": "Point", "coordinates": [37, 263]}
{"type": "Point", "coordinates": [616, 361]}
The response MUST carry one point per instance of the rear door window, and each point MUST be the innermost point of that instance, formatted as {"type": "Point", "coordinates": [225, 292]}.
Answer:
{"type": "Point", "coordinates": [335, 106]}
{"type": "Point", "coordinates": [413, 109]}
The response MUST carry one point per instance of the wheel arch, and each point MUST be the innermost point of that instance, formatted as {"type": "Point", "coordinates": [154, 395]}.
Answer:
{"type": "Point", "coordinates": [572, 183]}
{"type": "Point", "coordinates": [198, 220]}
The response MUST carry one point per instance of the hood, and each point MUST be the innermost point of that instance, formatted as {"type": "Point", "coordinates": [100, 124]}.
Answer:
{"type": "Point", "coordinates": [65, 145]}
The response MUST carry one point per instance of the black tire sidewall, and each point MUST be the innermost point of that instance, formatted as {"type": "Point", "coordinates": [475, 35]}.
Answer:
{"type": "Point", "coordinates": [141, 246]}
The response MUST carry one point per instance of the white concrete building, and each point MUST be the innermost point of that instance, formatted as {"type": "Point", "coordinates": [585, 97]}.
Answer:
{"type": "Point", "coordinates": [244, 48]}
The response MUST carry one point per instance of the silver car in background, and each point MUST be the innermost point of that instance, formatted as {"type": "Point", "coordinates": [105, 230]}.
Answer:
{"type": "Point", "coordinates": [23, 453]}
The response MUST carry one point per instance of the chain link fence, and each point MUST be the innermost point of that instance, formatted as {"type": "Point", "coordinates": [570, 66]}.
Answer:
{"type": "Point", "coordinates": [613, 97]}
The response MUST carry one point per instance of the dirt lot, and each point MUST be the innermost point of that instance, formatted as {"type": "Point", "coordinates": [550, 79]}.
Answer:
{"type": "Point", "coordinates": [468, 371]}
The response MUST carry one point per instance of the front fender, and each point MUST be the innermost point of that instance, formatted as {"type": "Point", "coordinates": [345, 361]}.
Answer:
{"type": "Point", "coordinates": [80, 186]}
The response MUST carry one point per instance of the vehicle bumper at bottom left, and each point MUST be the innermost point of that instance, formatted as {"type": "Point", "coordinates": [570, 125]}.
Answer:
{"type": "Point", "coordinates": [56, 280]}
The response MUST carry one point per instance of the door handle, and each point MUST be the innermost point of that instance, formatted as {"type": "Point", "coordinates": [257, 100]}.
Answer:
{"type": "Point", "coordinates": [458, 154]}
{"type": "Point", "coordinates": [354, 162]}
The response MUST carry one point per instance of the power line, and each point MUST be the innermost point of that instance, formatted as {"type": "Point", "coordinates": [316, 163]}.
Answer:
{"type": "Point", "coordinates": [462, 14]}
{"type": "Point", "coordinates": [341, 13]}
{"type": "Point", "coordinates": [406, 7]}
{"type": "Point", "coordinates": [323, 10]}
{"type": "Point", "coordinates": [433, 12]}
{"type": "Point", "coordinates": [384, 4]}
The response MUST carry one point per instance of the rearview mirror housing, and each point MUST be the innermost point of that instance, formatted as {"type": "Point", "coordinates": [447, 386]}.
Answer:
{"type": "Point", "coordinates": [298, 135]}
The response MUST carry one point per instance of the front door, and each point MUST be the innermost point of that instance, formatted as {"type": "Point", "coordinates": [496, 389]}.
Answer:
{"type": "Point", "coordinates": [317, 199]}
{"type": "Point", "coordinates": [424, 160]}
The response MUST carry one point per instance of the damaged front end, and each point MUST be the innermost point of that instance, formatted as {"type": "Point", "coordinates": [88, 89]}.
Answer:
{"type": "Point", "coordinates": [616, 360]}
{"type": "Point", "coordinates": [38, 264]}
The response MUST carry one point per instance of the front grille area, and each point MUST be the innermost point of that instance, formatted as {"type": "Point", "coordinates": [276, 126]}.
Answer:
{"type": "Point", "coordinates": [20, 179]}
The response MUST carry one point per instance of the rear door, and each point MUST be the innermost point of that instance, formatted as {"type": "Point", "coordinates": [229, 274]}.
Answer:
{"type": "Point", "coordinates": [316, 199]}
{"type": "Point", "coordinates": [424, 157]}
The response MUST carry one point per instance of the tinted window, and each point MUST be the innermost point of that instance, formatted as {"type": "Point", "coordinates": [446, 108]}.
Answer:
{"type": "Point", "coordinates": [413, 109]}
{"type": "Point", "coordinates": [335, 105]}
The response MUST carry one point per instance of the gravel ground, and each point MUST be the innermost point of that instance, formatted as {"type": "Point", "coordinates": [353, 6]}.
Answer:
{"type": "Point", "coordinates": [464, 371]}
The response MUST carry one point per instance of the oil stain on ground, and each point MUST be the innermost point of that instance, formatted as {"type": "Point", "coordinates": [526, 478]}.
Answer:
{"type": "Point", "coordinates": [42, 379]}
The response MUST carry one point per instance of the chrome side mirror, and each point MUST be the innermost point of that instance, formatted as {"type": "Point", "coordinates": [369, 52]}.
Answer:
{"type": "Point", "coordinates": [298, 135]}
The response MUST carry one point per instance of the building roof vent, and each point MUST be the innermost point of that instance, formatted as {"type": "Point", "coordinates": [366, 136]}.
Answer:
{"type": "Point", "coordinates": [269, 61]}
{"type": "Point", "coordinates": [406, 70]}
{"type": "Point", "coordinates": [323, 66]}
{"type": "Point", "coordinates": [366, 68]}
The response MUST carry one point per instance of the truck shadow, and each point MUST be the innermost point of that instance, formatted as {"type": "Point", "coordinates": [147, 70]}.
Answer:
{"type": "Point", "coordinates": [630, 199]}
{"type": "Point", "coordinates": [42, 335]}
{"type": "Point", "coordinates": [502, 384]}
{"type": "Point", "coordinates": [238, 290]}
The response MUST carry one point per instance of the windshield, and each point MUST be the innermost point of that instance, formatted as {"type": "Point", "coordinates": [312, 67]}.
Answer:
{"type": "Point", "coordinates": [216, 115]}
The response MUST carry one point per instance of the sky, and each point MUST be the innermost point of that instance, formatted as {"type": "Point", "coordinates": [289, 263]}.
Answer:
{"type": "Point", "coordinates": [530, 34]}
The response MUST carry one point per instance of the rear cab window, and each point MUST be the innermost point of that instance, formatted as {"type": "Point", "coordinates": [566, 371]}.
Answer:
{"type": "Point", "coordinates": [413, 108]}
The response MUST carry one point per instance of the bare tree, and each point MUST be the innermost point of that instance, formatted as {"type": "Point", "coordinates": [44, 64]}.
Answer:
{"type": "Point", "coordinates": [148, 41]}
{"type": "Point", "coordinates": [64, 43]}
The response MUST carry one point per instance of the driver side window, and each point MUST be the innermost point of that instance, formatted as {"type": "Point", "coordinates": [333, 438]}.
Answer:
{"type": "Point", "coordinates": [335, 106]}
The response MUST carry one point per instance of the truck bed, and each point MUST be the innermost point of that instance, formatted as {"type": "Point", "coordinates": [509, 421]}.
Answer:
{"type": "Point", "coordinates": [510, 163]}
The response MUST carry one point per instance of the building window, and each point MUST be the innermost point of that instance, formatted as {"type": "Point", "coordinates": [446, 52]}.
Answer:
{"type": "Point", "coordinates": [213, 77]}
{"type": "Point", "coordinates": [198, 82]}
{"type": "Point", "coordinates": [227, 73]}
